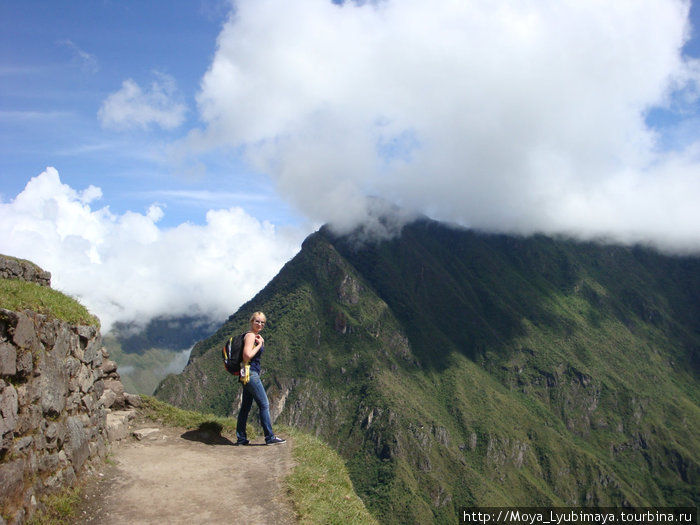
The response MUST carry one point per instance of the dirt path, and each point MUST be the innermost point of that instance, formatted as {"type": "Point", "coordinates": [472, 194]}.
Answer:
{"type": "Point", "coordinates": [177, 477]}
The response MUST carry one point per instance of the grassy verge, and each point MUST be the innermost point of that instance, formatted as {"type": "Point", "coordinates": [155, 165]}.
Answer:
{"type": "Point", "coordinates": [319, 485]}
{"type": "Point", "coordinates": [57, 508]}
{"type": "Point", "coordinates": [172, 416]}
{"type": "Point", "coordinates": [20, 295]}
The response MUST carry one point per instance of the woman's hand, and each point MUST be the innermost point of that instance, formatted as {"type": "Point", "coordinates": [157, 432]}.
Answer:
{"type": "Point", "coordinates": [251, 345]}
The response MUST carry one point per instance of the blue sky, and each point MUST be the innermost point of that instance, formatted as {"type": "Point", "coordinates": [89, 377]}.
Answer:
{"type": "Point", "coordinates": [143, 143]}
{"type": "Point", "coordinates": [62, 60]}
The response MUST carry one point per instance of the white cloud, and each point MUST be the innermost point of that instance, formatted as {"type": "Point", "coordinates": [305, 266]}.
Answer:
{"type": "Point", "coordinates": [126, 268]}
{"type": "Point", "coordinates": [131, 107]}
{"type": "Point", "coordinates": [511, 116]}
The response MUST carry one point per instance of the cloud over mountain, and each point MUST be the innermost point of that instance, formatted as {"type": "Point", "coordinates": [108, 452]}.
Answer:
{"type": "Point", "coordinates": [512, 116]}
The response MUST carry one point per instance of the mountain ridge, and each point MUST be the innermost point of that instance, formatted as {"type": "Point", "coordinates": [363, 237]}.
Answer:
{"type": "Point", "coordinates": [454, 368]}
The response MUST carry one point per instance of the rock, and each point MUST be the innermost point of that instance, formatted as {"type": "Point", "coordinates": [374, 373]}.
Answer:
{"type": "Point", "coordinates": [472, 441]}
{"type": "Point", "coordinates": [23, 443]}
{"type": "Point", "coordinates": [108, 398]}
{"type": "Point", "coordinates": [8, 409]}
{"type": "Point", "coordinates": [8, 359]}
{"type": "Point", "coordinates": [93, 348]}
{"type": "Point", "coordinates": [86, 379]}
{"type": "Point", "coordinates": [117, 387]}
{"type": "Point", "coordinates": [54, 432]}
{"type": "Point", "coordinates": [98, 387]}
{"type": "Point", "coordinates": [25, 364]}
{"type": "Point", "coordinates": [132, 400]}
{"type": "Point", "coordinates": [143, 433]}
{"type": "Point", "coordinates": [49, 463]}
{"type": "Point", "coordinates": [11, 268]}
{"type": "Point", "coordinates": [53, 385]}
{"type": "Point", "coordinates": [118, 424]}
{"type": "Point", "coordinates": [108, 366]}
{"type": "Point", "coordinates": [24, 333]}
{"type": "Point", "coordinates": [11, 478]}
{"type": "Point", "coordinates": [76, 444]}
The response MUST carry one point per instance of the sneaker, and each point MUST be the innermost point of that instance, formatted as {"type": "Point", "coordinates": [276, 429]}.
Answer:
{"type": "Point", "coordinates": [242, 442]}
{"type": "Point", "coordinates": [276, 441]}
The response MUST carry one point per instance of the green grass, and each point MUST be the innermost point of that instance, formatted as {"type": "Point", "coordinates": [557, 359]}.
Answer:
{"type": "Point", "coordinates": [20, 295]}
{"type": "Point", "coordinates": [173, 416]}
{"type": "Point", "coordinates": [58, 508]}
{"type": "Point", "coordinates": [319, 485]}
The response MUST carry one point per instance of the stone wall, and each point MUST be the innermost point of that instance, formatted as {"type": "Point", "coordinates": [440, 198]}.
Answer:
{"type": "Point", "coordinates": [57, 388]}
{"type": "Point", "coordinates": [11, 268]}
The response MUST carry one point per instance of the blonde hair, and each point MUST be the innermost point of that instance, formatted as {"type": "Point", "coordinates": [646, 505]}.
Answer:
{"type": "Point", "coordinates": [258, 314]}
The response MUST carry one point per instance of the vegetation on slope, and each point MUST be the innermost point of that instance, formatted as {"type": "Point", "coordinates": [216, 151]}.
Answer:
{"type": "Point", "coordinates": [451, 368]}
{"type": "Point", "coordinates": [20, 295]}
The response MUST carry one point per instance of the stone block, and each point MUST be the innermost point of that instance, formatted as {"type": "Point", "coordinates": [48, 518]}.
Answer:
{"type": "Point", "coordinates": [53, 385]}
{"type": "Point", "coordinates": [98, 448]}
{"type": "Point", "coordinates": [118, 424]}
{"type": "Point", "coordinates": [8, 359]}
{"type": "Point", "coordinates": [25, 363]}
{"type": "Point", "coordinates": [24, 333]}
{"type": "Point", "coordinates": [47, 332]}
{"type": "Point", "coordinates": [11, 268]}
{"type": "Point", "coordinates": [98, 388]}
{"type": "Point", "coordinates": [22, 443]}
{"type": "Point", "coordinates": [73, 402]}
{"type": "Point", "coordinates": [9, 409]}
{"type": "Point", "coordinates": [108, 398]}
{"type": "Point", "coordinates": [73, 367]}
{"type": "Point", "coordinates": [85, 379]}
{"type": "Point", "coordinates": [88, 402]}
{"type": "Point", "coordinates": [93, 351]}
{"type": "Point", "coordinates": [29, 418]}
{"type": "Point", "coordinates": [8, 321]}
{"type": "Point", "coordinates": [76, 444]}
{"type": "Point", "coordinates": [69, 477]}
{"type": "Point", "coordinates": [132, 400]}
{"type": "Point", "coordinates": [55, 432]}
{"type": "Point", "coordinates": [12, 479]}
{"type": "Point", "coordinates": [117, 387]}
{"type": "Point", "coordinates": [109, 366]}
{"type": "Point", "coordinates": [86, 332]}
{"type": "Point", "coordinates": [66, 343]}
{"type": "Point", "coordinates": [49, 463]}
{"type": "Point", "coordinates": [144, 433]}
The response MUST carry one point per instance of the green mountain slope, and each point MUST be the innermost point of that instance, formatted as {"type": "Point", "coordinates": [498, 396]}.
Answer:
{"type": "Point", "coordinates": [451, 368]}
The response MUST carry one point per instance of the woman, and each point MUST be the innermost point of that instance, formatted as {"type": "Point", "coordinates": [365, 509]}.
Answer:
{"type": "Point", "coordinates": [253, 347]}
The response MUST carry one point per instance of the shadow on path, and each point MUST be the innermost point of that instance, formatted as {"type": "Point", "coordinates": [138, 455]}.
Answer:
{"type": "Point", "coordinates": [208, 433]}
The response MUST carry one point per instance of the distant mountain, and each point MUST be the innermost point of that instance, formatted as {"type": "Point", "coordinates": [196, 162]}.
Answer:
{"type": "Point", "coordinates": [452, 368]}
{"type": "Point", "coordinates": [168, 333]}
{"type": "Point", "coordinates": [146, 354]}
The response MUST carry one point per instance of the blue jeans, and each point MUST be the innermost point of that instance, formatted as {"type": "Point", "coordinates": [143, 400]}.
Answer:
{"type": "Point", "coordinates": [254, 390]}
